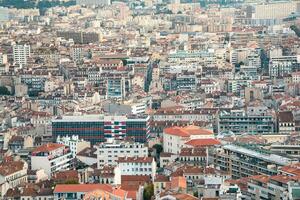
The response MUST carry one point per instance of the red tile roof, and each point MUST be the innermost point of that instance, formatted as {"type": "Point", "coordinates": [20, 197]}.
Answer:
{"type": "Point", "coordinates": [47, 147]}
{"type": "Point", "coordinates": [291, 169]}
{"type": "Point", "coordinates": [64, 188]}
{"type": "Point", "coordinates": [187, 131]}
{"type": "Point", "coordinates": [10, 167]}
{"type": "Point", "coordinates": [203, 142]}
{"type": "Point", "coordinates": [138, 178]}
{"type": "Point", "coordinates": [260, 178]}
{"type": "Point", "coordinates": [281, 178]}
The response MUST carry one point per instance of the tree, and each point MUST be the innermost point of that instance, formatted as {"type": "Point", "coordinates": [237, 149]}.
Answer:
{"type": "Point", "coordinates": [295, 29]}
{"type": "Point", "coordinates": [158, 148]}
{"type": "Point", "coordinates": [148, 192]}
{"type": "Point", "coordinates": [4, 90]}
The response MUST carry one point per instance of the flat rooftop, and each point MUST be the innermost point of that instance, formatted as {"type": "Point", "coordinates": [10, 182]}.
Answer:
{"type": "Point", "coordinates": [272, 158]}
{"type": "Point", "coordinates": [97, 118]}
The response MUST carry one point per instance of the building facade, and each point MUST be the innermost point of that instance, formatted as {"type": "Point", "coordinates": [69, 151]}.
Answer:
{"type": "Point", "coordinates": [98, 128]}
{"type": "Point", "coordinates": [52, 158]}
{"type": "Point", "coordinates": [21, 53]}
{"type": "Point", "coordinates": [108, 153]}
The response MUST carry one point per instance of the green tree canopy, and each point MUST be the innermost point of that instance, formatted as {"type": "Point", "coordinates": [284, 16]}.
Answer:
{"type": "Point", "coordinates": [148, 192]}
{"type": "Point", "coordinates": [4, 90]}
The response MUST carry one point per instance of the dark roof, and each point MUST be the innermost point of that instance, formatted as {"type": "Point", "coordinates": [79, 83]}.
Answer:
{"type": "Point", "coordinates": [285, 116]}
{"type": "Point", "coordinates": [88, 152]}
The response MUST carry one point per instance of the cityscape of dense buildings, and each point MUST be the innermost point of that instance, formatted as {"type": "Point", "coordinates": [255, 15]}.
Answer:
{"type": "Point", "coordinates": [150, 100]}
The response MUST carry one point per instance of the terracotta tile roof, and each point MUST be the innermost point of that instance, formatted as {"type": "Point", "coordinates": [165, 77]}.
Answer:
{"type": "Point", "coordinates": [161, 178]}
{"type": "Point", "coordinates": [139, 178]}
{"type": "Point", "coordinates": [178, 182]}
{"type": "Point", "coordinates": [281, 178]}
{"type": "Point", "coordinates": [187, 131]}
{"type": "Point", "coordinates": [10, 167]}
{"type": "Point", "coordinates": [166, 154]}
{"type": "Point", "coordinates": [200, 152]}
{"type": "Point", "coordinates": [291, 169]}
{"type": "Point", "coordinates": [131, 186]}
{"type": "Point", "coordinates": [47, 147]}
{"type": "Point", "coordinates": [119, 192]}
{"type": "Point", "coordinates": [203, 142]}
{"type": "Point", "coordinates": [66, 175]}
{"type": "Point", "coordinates": [260, 178]}
{"type": "Point", "coordinates": [135, 160]}
{"type": "Point", "coordinates": [242, 183]}
{"type": "Point", "coordinates": [132, 194]}
{"type": "Point", "coordinates": [64, 188]}
{"type": "Point", "coordinates": [187, 170]}
{"type": "Point", "coordinates": [106, 171]}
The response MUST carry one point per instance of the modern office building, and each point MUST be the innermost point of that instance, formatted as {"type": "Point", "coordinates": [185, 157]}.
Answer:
{"type": "Point", "coordinates": [109, 152]}
{"type": "Point", "coordinates": [21, 53]}
{"type": "Point", "coordinates": [243, 162]}
{"type": "Point", "coordinates": [98, 128]}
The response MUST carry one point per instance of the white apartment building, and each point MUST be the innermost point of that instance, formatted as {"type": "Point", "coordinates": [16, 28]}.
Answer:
{"type": "Point", "coordinates": [109, 153]}
{"type": "Point", "coordinates": [296, 77]}
{"type": "Point", "coordinates": [12, 174]}
{"type": "Point", "coordinates": [276, 10]}
{"type": "Point", "coordinates": [51, 157]}
{"type": "Point", "coordinates": [174, 138]}
{"type": "Point", "coordinates": [74, 143]}
{"type": "Point", "coordinates": [3, 59]}
{"type": "Point", "coordinates": [279, 66]}
{"type": "Point", "coordinates": [77, 53]}
{"type": "Point", "coordinates": [137, 166]}
{"type": "Point", "coordinates": [210, 86]}
{"type": "Point", "coordinates": [21, 53]}
{"type": "Point", "coordinates": [138, 108]}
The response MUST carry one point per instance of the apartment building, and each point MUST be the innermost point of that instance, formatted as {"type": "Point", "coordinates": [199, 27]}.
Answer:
{"type": "Point", "coordinates": [273, 187]}
{"type": "Point", "coordinates": [241, 121]}
{"type": "Point", "coordinates": [108, 153]}
{"type": "Point", "coordinates": [75, 144]}
{"type": "Point", "coordinates": [243, 162]}
{"type": "Point", "coordinates": [286, 122]}
{"type": "Point", "coordinates": [137, 166]}
{"type": "Point", "coordinates": [21, 53]}
{"type": "Point", "coordinates": [282, 65]}
{"type": "Point", "coordinates": [12, 174]}
{"type": "Point", "coordinates": [52, 158]}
